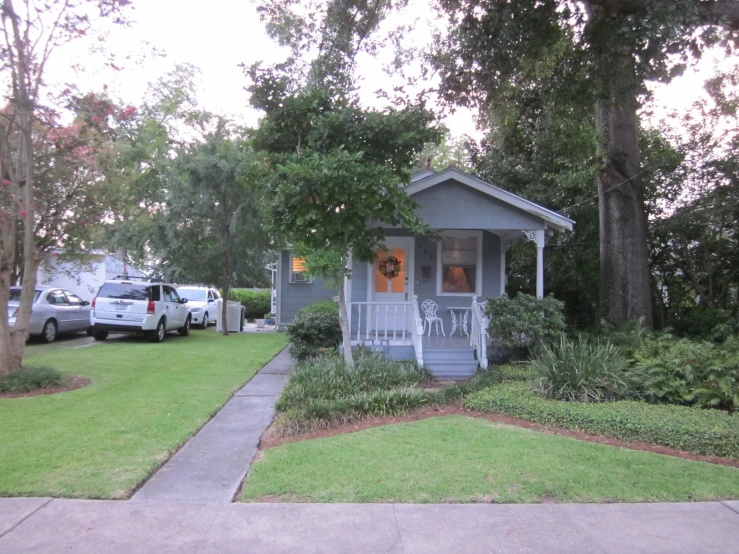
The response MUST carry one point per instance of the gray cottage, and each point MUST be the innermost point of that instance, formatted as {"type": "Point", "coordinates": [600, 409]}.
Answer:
{"type": "Point", "coordinates": [423, 297]}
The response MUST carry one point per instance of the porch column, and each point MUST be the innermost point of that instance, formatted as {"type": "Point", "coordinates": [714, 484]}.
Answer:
{"type": "Point", "coordinates": [537, 237]}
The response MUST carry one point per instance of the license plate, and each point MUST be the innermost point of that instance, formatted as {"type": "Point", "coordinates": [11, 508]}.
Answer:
{"type": "Point", "coordinates": [121, 307]}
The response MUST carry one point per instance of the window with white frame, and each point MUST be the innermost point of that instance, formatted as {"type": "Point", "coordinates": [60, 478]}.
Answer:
{"type": "Point", "coordinates": [298, 271]}
{"type": "Point", "coordinates": [459, 265]}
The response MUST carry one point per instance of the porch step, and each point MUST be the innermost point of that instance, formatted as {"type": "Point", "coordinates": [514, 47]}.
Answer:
{"type": "Point", "coordinates": [450, 363]}
{"type": "Point", "coordinates": [451, 370]}
{"type": "Point", "coordinates": [444, 354]}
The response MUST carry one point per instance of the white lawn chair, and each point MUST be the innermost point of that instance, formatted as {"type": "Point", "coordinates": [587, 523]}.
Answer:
{"type": "Point", "coordinates": [429, 308]}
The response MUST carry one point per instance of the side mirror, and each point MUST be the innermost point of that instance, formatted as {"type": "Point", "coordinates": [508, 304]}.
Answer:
{"type": "Point", "coordinates": [183, 300]}
{"type": "Point", "coordinates": [85, 303]}
{"type": "Point", "coordinates": [210, 300]}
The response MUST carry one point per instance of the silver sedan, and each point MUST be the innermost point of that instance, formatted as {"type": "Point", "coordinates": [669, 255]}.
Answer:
{"type": "Point", "coordinates": [54, 311]}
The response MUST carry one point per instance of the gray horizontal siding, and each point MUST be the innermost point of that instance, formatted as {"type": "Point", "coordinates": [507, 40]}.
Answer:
{"type": "Point", "coordinates": [452, 205]}
{"type": "Point", "coordinates": [292, 297]}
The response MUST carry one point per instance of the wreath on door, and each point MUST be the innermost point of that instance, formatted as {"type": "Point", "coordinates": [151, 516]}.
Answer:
{"type": "Point", "coordinates": [390, 267]}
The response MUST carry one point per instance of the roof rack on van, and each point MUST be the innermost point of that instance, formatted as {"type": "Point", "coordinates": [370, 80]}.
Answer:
{"type": "Point", "coordinates": [126, 277]}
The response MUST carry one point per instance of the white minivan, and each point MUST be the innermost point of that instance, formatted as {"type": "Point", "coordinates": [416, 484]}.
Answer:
{"type": "Point", "coordinates": [141, 307]}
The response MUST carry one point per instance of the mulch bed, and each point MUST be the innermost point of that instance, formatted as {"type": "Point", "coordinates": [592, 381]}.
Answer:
{"type": "Point", "coordinates": [73, 382]}
{"type": "Point", "coordinates": [427, 412]}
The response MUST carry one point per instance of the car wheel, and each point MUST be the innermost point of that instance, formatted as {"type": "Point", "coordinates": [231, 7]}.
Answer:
{"type": "Point", "coordinates": [157, 335]}
{"type": "Point", "coordinates": [185, 329]}
{"type": "Point", "coordinates": [205, 320]}
{"type": "Point", "coordinates": [99, 335]}
{"type": "Point", "coordinates": [48, 333]}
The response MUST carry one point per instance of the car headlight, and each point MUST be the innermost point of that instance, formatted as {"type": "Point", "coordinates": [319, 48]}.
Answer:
{"type": "Point", "coordinates": [195, 309]}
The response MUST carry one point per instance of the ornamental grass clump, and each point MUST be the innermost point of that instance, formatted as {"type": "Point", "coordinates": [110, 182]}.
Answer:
{"type": "Point", "coordinates": [579, 371]}
{"type": "Point", "coordinates": [323, 391]}
{"type": "Point", "coordinates": [31, 378]}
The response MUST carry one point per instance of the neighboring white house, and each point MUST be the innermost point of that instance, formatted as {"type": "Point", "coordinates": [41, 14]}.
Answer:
{"type": "Point", "coordinates": [84, 281]}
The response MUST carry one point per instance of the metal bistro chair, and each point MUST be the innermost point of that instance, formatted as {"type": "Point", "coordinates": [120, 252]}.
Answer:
{"type": "Point", "coordinates": [429, 308]}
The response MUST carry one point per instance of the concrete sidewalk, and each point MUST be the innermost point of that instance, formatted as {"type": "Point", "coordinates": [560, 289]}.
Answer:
{"type": "Point", "coordinates": [211, 465]}
{"type": "Point", "coordinates": [33, 525]}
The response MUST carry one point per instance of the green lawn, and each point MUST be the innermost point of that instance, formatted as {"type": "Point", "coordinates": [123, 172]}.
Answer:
{"type": "Point", "coordinates": [145, 400]}
{"type": "Point", "coordinates": [463, 459]}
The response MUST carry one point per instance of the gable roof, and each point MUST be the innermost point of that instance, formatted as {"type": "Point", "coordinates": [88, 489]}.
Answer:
{"type": "Point", "coordinates": [555, 220]}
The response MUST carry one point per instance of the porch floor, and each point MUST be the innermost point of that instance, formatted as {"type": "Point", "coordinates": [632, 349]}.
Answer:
{"type": "Point", "coordinates": [455, 342]}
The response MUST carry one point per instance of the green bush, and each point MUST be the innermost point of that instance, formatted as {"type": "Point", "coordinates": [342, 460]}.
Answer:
{"type": "Point", "coordinates": [626, 336]}
{"type": "Point", "coordinates": [521, 371]}
{"type": "Point", "coordinates": [30, 378]}
{"type": "Point", "coordinates": [322, 306]}
{"type": "Point", "coordinates": [524, 320]}
{"type": "Point", "coordinates": [579, 371]}
{"type": "Point", "coordinates": [314, 330]}
{"type": "Point", "coordinates": [328, 378]}
{"type": "Point", "coordinates": [456, 392]}
{"type": "Point", "coordinates": [708, 432]}
{"type": "Point", "coordinates": [256, 302]}
{"type": "Point", "coordinates": [688, 372]}
{"type": "Point", "coordinates": [323, 389]}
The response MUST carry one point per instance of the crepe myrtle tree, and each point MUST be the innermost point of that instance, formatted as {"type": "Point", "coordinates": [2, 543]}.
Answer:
{"type": "Point", "coordinates": [31, 33]}
{"type": "Point", "coordinates": [337, 171]}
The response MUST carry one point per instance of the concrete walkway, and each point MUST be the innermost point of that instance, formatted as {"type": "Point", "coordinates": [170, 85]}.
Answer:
{"type": "Point", "coordinates": [40, 526]}
{"type": "Point", "coordinates": [211, 466]}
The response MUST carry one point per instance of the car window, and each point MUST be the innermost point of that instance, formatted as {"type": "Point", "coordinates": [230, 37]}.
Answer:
{"type": "Point", "coordinates": [156, 293]}
{"type": "Point", "coordinates": [15, 295]}
{"type": "Point", "coordinates": [171, 295]}
{"type": "Point", "coordinates": [73, 299]}
{"type": "Point", "coordinates": [196, 295]}
{"type": "Point", "coordinates": [210, 295]}
{"type": "Point", "coordinates": [57, 298]}
{"type": "Point", "coordinates": [125, 291]}
{"type": "Point", "coordinates": [216, 294]}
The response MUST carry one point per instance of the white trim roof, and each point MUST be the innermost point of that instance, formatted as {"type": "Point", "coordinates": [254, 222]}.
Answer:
{"type": "Point", "coordinates": [553, 219]}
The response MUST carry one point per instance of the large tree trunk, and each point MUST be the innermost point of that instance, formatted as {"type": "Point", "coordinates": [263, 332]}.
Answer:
{"type": "Point", "coordinates": [226, 267]}
{"type": "Point", "coordinates": [624, 257]}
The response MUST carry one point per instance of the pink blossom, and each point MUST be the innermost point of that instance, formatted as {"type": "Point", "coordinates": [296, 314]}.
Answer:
{"type": "Point", "coordinates": [24, 213]}
{"type": "Point", "coordinates": [92, 95]}
{"type": "Point", "coordinates": [54, 254]}
{"type": "Point", "coordinates": [66, 91]}
{"type": "Point", "coordinates": [95, 119]}
{"type": "Point", "coordinates": [6, 182]}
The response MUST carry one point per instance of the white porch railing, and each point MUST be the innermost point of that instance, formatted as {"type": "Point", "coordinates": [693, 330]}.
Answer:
{"type": "Point", "coordinates": [391, 323]}
{"type": "Point", "coordinates": [479, 333]}
{"type": "Point", "coordinates": [417, 332]}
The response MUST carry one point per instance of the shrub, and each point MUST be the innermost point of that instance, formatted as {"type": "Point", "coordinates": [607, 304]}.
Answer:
{"type": "Point", "coordinates": [627, 336]}
{"type": "Point", "coordinates": [688, 372]}
{"type": "Point", "coordinates": [516, 372]}
{"type": "Point", "coordinates": [579, 371]}
{"type": "Point", "coordinates": [524, 320]}
{"type": "Point", "coordinates": [708, 432]}
{"type": "Point", "coordinates": [322, 306]}
{"type": "Point", "coordinates": [328, 378]}
{"type": "Point", "coordinates": [256, 302]}
{"type": "Point", "coordinates": [30, 378]}
{"type": "Point", "coordinates": [314, 330]}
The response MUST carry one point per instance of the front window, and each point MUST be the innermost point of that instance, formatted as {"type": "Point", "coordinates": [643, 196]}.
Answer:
{"type": "Point", "coordinates": [299, 271]}
{"type": "Point", "coordinates": [459, 257]}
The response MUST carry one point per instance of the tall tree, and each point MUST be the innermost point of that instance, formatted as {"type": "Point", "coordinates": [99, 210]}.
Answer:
{"type": "Point", "coordinates": [31, 33]}
{"type": "Point", "coordinates": [621, 45]}
{"type": "Point", "coordinates": [210, 224]}
{"type": "Point", "coordinates": [336, 174]}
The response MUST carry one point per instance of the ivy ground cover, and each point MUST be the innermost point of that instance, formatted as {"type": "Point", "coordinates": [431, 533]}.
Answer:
{"type": "Point", "coordinates": [144, 401]}
{"type": "Point", "coordinates": [464, 459]}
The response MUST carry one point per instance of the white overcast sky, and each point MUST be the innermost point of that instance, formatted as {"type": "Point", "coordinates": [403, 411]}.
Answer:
{"type": "Point", "coordinates": [217, 35]}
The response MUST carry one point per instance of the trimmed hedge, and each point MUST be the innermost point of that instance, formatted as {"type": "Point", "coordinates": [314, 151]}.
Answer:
{"type": "Point", "coordinates": [256, 302]}
{"type": "Point", "coordinates": [707, 432]}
